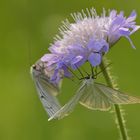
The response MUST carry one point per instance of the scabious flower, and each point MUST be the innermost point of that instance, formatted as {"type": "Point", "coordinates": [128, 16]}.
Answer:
{"type": "Point", "coordinates": [87, 39]}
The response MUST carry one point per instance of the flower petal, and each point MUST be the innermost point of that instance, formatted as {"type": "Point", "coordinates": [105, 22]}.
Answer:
{"type": "Point", "coordinates": [135, 29]}
{"type": "Point", "coordinates": [76, 59]}
{"type": "Point", "coordinates": [77, 62]}
{"type": "Point", "coordinates": [124, 31]}
{"type": "Point", "coordinates": [132, 16]}
{"type": "Point", "coordinates": [113, 14]}
{"type": "Point", "coordinates": [94, 59]}
{"type": "Point", "coordinates": [50, 59]}
{"type": "Point", "coordinates": [47, 57]}
{"type": "Point", "coordinates": [94, 45]}
{"type": "Point", "coordinates": [97, 45]}
{"type": "Point", "coordinates": [133, 46]}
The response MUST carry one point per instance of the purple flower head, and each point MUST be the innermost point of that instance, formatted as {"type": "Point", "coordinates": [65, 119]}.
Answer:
{"type": "Point", "coordinates": [87, 40]}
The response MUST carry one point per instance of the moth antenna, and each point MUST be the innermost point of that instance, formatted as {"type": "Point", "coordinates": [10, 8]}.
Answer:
{"type": "Point", "coordinates": [85, 72]}
{"type": "Point", "coordinates": [92, 71]}
{"type": "Point", "coordinates": [95, 74]}
{"type": "Point", "coordinates": [72, 79]}
{"type": "Point", "coordinates": [80, 72]}
{"type": "Point", "coordinates": [72, 72]}
{"type": "Point", "coordinates": [103, 69]}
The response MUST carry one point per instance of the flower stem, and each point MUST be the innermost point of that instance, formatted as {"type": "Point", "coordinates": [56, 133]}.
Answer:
{"type": "Point", "coordinates": [119, 115]}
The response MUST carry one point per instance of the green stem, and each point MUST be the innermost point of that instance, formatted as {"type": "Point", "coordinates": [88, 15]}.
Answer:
{"type": "Point", "coordinates": [119, 115]}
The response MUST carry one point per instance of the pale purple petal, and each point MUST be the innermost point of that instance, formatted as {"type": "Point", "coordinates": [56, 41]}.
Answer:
{"type": "Point", "coordinates": [133, 46]}
{"type": "Point", "coordinates": [121, 14]}
{"type": "Point", "coordinates": [76, 49]}
{"type": "Point", "coordinates": [94, 59]}
{"type": "Point", "coordinates": [76, 59]}
{"type": "Point", "coordinates": [77, 62]}
{"type": "Point", "coordinates": [50, 59]}
{"type": "Point", "coordinates": [113, 14]}
{"type": "Point", "coordinates": [124, 31]}
{"type": "Point", "coordinates": [98, 46]}
{"type": "Point", "coordinates": [117, 22]}
{"type": "Point", "coordinates": [47, 57]}
{"type": "Point", "coordinates": [60, 71]}
{"type": "Point", "coordinates": [55, 48]}
{"type": "Point", "coordinates": [105, 48]}
{"type": "Point", "coordinates": [135, 29]}
{"type": "Point", "coordinates": [94, 45]}
{"type": "Point", "coordinates": [66, 72]}
{"type": "Point", "coordinates": [132, 16]}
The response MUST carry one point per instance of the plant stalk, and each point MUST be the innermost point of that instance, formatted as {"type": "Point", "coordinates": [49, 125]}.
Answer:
{"type": "Point", "coordinates": [118, 113]}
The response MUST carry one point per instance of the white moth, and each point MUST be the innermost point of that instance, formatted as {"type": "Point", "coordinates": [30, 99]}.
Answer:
{"type": "Point", "coordinates": [95, 96]}
{"type": "Point", "coordinates": [46, 90]}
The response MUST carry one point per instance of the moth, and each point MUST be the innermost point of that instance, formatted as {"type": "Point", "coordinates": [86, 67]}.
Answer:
{"type": "Point", "coordinates": [47, 91]}
{"type": "Point", "coordinates": [95, 96]}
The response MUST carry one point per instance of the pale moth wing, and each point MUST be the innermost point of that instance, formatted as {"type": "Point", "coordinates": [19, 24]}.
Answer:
{"type": "Point", "coordinates": [68, 108]}
{"type": "Point", "coordinates": [95, 96]}
{"type": "Point", "coordinates": [46, 92]}
{"type": "Point", "coordinates": [100, 97]}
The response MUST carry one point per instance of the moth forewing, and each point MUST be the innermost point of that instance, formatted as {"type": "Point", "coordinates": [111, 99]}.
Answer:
{"type": "Point", "coordinates": [68, 108]}
{"type": "Point", "coordinates": [46, 91]}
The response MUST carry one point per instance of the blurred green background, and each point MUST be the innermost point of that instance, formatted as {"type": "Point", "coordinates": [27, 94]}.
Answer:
{"type": "Point", "coordinates": [26, 29]}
